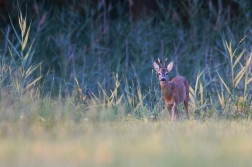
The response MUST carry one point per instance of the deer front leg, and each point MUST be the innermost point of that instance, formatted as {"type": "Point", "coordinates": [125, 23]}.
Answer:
{"type": "Point", "coordinates": [174, 112]}
{"type": "Point", "coordinates": [175, 115]}
{"type": "Point", "coordinates": [169, 112]}
{"type": "Point", "coordinates": [186, 108]}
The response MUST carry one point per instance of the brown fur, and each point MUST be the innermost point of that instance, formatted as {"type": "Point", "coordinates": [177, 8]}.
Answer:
{"type": "Point", "coordinates": [174, 91]}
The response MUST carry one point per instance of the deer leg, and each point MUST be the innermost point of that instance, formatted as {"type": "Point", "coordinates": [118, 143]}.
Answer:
{"type": "Point", "coordinates": [174, 112]}
{"type": "Point", "coordinates": [186, 100]}
{"type": "Point", "coordinates": [186, 107]}
{"type": "Point", "coordinates": [170, 112]}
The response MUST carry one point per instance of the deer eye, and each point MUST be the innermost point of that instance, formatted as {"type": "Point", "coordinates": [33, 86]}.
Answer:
{"type": "Point", "coordinates": [166, 73]}
{"type": "Point", "coordinates": [159, 73]}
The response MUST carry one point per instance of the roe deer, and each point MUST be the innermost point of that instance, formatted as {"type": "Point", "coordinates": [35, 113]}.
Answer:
{"type": "Point", "coordinates": [174, 91]}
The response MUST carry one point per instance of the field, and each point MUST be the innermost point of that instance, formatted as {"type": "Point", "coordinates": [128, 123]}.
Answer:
{"type": "Point", "coordinates": [183, 143]}
{"type": "Point", "coordinates": [78, 88]}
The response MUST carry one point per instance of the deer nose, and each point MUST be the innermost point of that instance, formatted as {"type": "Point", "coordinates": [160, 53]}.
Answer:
{"type": "Point", "coordinates": [163, 79]}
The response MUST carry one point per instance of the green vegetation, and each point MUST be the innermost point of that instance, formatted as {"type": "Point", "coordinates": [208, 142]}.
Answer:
{"type": "Point", "coordinates": [101, 69]}
{"type": "Point", "coordinates": [81, 90]}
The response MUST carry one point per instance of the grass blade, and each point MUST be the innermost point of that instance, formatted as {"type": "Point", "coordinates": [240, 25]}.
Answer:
{"type": "Point", "coordinates": [15, 63]}
{"type": "Point", "coordinates": [249, 80]}
{"type": "Point", "coordinates": [239, 76]}
{"type": "Point", "coordinates": [32, 83]}
{"type": "Point", "coordinates": [224, 84]}
{"type": "Point", "coordinates": [17, 36]}
{"type": "Point", "coordinates": [191, 90]}
{"type": "Point", "coordinates": [12, 46]}
{"type": "Point", "coordinates": [26, 38]}
{"type": "Point", "coordinates": [239, 57]}
{"type": "Point", "coordinates": [201, 93]}
{"type": "Point", "coordinates": [221, 99]}
{"type": "Point", "coordinates": [31, 69]}
{"type": "Point", "coordinates": [22, 24]}
{"type": "Point", "coordinates": [28, 55]}
{"type": "Point", "coordinates": [103, 91]}
{"type": "Point", "coordinates": [197, 81]}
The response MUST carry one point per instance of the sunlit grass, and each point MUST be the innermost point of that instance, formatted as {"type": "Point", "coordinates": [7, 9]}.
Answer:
{"type": "Point", "coordinates": [186, 143]}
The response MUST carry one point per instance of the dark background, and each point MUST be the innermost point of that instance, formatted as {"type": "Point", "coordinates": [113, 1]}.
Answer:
{"type": "Point", "coordinates": [93, 40]}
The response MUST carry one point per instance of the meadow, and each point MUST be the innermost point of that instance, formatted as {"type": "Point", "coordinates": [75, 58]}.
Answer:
{"type": "Point", "coordinates": [80, 90]}
{"type": "Point", "coordinates": [127, 143]}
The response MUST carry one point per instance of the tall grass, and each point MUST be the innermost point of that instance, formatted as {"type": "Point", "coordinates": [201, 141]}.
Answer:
{"type": "Point", "coordinates": [79, 68]}
{"type": "Point", "coordinates": [236, 88]}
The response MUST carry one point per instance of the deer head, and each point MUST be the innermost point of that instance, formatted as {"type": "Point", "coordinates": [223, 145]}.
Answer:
{"type": "Point", "coordinates": [163, 71]}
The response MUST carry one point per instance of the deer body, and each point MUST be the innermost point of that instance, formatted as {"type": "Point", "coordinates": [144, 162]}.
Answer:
{"type": "Point", "coordinates": [174, 91]}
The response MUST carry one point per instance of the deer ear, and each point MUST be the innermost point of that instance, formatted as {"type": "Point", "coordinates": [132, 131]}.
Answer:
{"type": "Point", "coordinates": [169, 67]}
{"type": "Point", "coordinates": [156, 66]}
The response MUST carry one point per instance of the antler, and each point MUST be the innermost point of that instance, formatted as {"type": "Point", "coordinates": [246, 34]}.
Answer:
{"type": "Point", "coordinates": [159, 62]}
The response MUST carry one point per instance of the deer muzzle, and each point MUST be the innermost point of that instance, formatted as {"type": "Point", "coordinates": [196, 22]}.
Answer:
{"type": "Point", "coordinates": [163, 80]}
